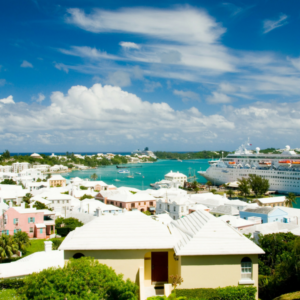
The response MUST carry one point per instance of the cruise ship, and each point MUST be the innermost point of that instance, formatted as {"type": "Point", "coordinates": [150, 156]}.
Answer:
{"type": "Point", "coordinates": [282, 170]}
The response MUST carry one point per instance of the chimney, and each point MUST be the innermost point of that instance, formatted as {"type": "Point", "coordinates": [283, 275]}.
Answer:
{"type": "Point", "coordinates": [10, 204]}
{"type": "Point", "coordinates": [23, 205]}
{"type": "Point", "coordinates": [48, 246]}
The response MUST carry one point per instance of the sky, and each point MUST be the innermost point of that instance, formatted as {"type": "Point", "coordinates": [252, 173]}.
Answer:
{"type": "Point", "coordinates": [101, 76]}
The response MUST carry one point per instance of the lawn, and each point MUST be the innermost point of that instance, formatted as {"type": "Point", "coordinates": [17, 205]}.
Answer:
{"type": "Point", "coordinates": [9, 295]}
{"type": "Point", "coordinates": [36, 245]}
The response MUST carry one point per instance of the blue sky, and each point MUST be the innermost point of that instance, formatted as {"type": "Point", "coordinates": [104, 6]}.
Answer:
{"type": "Point", "coordinates": [104, 76]}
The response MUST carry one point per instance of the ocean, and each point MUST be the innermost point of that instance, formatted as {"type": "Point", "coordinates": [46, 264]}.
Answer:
{"type": "Point", "coordinates": [150, 172]}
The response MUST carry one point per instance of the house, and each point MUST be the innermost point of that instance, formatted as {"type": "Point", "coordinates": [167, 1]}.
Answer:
{"type": "Point", "coordinates": [18, 167]}
{"type": "Point", "coordinates": [34, 263]}
{"type": "Point", "coordinates": [125, 199]}
{"type": "Point", "coordinates": [57, 180]}
{"type": "Point", "coordinates": [36, 223]}
{"type": "Point", "coordinates": [61, 202]}
{"type": "Point", "coordinates": [272, 201]}
{"type": "Point", "coordinates": [5, 169]}
{"type": "Point", "coordinates": [237, 222]}
{"type": "Point", "coordinates": [36, 155]}
{"type": "Point", "coordinates": [202, 249]}
{"type": "Point", "coordinates": [177, 177]}
{"type": "Point", "coordinates": [267, 214]}
{"type": "Point", "coordinates": [224, 210]}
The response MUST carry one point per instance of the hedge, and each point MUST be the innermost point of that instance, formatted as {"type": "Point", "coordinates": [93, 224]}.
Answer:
{"type": "Point", "coordinates": [11, 284]}
{"type": "Point", "coordinates": [227, 293]}
{"type": "Point", "coordinates": [63, 231]}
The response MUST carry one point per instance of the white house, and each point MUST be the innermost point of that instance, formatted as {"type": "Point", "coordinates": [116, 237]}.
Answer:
{"type": "Point", "coordinates": [176, 176]}
{"type": "Point", "coordinates": [18, 167]}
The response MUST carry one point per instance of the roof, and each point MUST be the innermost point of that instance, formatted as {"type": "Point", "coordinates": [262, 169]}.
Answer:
{"type": "Point", "coordinates": [260, 210]}
{"type": "Point", "coordinates": [35, 154]}
{"type": "Point", "coordinates": [225, 210]}
{"type": "Point", "coordinates": [130, 230]}
{"type": "Point", "coordinates": [57, 177]}
{"type": "Point", "coordinates": [269, 228]}
{"type": "Point", "coordinates": [236, 221]}
{"type": "Point", "coordinates": [174, 174]}
{"type": "Point", "coordinates": [200, 233]}
{"type": "Point", "coordinates": [35, 262]}
{"type": "Point", "coordinates": [22, 210]}
{"type": "Point", "coordinates": [40, 225]}
{"type": "Point", "coordinates": [272, 200]}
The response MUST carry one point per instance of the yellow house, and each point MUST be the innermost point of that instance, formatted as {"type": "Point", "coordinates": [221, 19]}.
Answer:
{"type": "Point", "coordinates": [57, 180]}
{"type": "Point", "coordinates": [203, 250]}
{"type": "Point", "coordinates": [272, 201]}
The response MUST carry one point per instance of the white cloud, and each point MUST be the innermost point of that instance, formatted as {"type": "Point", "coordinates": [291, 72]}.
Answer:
{"type": "Point", "coordinates": [218, 98]}
{"type": "Point", "coordinates": [187, 95]}
{"type": "Point", "coordinates": [62, 67]}
{"type": "Point", "coordinates": [295, 62]}
{"type": "Point", "coordinates": [3, 82]}
{"type": "Point", "coordinates": [150, 86]}
{"type": "Point", "coordinates": [119, 78]}
{"type": "Point", "coordinates": [130, 45]}
{"type": "Point", "coordinates": [39, 98]}
{"type": "Point", "coordinates": [270, 25]}
{"type": "Point", "coordinates": [85, 114]}
{"type": "Point", "coordinates": [26, 64]}
{"type": "Point", "coordinates": [8, 100]}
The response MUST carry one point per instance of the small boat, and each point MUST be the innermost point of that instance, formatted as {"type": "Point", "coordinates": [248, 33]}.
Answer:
{"type": "Point", "coordinates": [130, 176]}
{"type": "Point", "coordinates": [117, 180]}
{"type": "Point", "coordinates": [179, 160]}
{"type": "Point", "coordinates": [284, 163]}
{"type": "Point", "coordinates": [138, 173]}
{"type": "Point", "coordinates": [123, 172]}
{"type": "Point", "coordinates": [296, 163]}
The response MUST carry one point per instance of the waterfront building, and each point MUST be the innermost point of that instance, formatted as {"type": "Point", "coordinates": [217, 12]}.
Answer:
{"type": "Point", "coordinates": [176, 177]}
{"type": "Point", "coordinates": [204, 250]}
{"type": "Point", "coordinates": [272, 201]}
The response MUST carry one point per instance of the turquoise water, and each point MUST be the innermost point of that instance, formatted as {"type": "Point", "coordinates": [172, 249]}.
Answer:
{"type": "Point", "coordinates": [150, 173]}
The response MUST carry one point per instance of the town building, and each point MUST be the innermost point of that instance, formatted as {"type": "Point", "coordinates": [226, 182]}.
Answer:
{"type": "Point", "coordinates": [272, 201]}
{"type": "Point", "coordinates": [38, 224]}
{"type": "Point", "coordinates": [267, 214]}
{"type": "Point", "coordinates": [202, 249]}
{"type": "Point", "coordinates": [36, 155]}
{"type": "Point", "coordinates": [18, 167]}
{"type": "Point", "coordinates": [224, 210]}
{"type": "Point", "coordinates": [57, 180]}
{"type": "Point", "coordinates": [176, 177]}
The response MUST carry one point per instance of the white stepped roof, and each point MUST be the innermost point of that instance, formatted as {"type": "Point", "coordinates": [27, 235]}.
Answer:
{"type": "Point", "coordinates": [175, 174]}
{"type": "Point", "coordinates": [131, 230]}
{"type": "Point", "coordinates": [56, 177]}
{"type": "Point", "coordinates": [200, 233]}
{"type": "Point", "coordinates": [272, 199]}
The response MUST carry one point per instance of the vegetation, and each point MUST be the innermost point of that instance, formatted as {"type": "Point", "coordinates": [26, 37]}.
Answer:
{"type": "Point", "coordinates": [291, 199]}
{"type": "Point", "coordinates": [94, 176]}
{"type": "Point", "coordinates": [244, 186]}
{"type": "Point", "coordinates": [64, 226]}
{"type": "Point", "coordinates": [8, 246]}
{"type": "Point", "coordinates": [38, 245]}
{"type": "Point", "coordinates": [84, 279]}
{"type": "Point", "coordinates": [85, 196]}
{"type": "Point", "coordinates": [83, 188]}
{"type": "Point", "coordinates": [10, 294]}
{"type": "Point", "coordinates": [279, 267]}
{"type": "Point", "coordinates": [8, 181]}
{"type": "Point", "coordinates": [22, 240]}
{"type": "Point", "coordinates": [27, 198]}
{"type": "Point", "coordinates": [290, 296]}
{"type": "Point", "coordinates": [6, 154]}
{"type": "Point", "coordinates": [230, 193]}
{"type": "Point", "coordinates": [227, 293]}
{"type": "Point", "coordinates": [258, 185]}
{"type": "Point", "coordinates": [147, 213]}
{"type": "Point", "coordinates": [40, 205]}
{"type": "Point", "coordinates": [190, 155]}
{"type": "Point", "coordinates": [209, 184]}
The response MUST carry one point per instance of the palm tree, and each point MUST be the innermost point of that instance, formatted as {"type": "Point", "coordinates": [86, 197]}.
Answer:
{"type": "Point", "coordinates": [291, 199]}
{"type": "Point", "coordinates": [230, 193]}
{"type": "Point", "coordinates": [8, 246]}
{"type": "Point", "coordinates": [22, 239]}
{"type": "Point", "coordinates": [209, 183]}
{"type": "Point", "coordinates": [94, 176]}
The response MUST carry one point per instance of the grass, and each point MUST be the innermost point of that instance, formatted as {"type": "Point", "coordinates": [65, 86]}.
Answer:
{"type": "Point", "coordinates": [290, 296]}
{"type": "Point", "coordinates": [9, 295]}
{"type": "Point", "coordinates": [36, 245]}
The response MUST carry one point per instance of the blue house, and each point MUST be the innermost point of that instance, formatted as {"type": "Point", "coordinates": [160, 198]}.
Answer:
{"type": "Point", "coordinates": [267, 214]}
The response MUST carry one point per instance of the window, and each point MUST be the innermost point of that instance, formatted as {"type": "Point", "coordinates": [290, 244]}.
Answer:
{"type": "Point", "coordinates": [132, 204]}
{"type": "Point", "coordinates": [151, 203]}
{"type": "Point", "coordinates": [182, 209]}
{"type": "Point", "coordinates": [31, 220]}
{"type": "Point", "coordinates": [78, 255]}
{"type": "Point", "coordinates": [16, 221]}
{"type": "Point", "coordinates": [31, 229]}
{"type": "Point", "coordinates": [174, 208]}
{"type": "Point", "coordinates": [159, 205]}
{"type": "Point", "coordinates": [41, 230]}
{"type": "Point", "coordinates": [246, 266]}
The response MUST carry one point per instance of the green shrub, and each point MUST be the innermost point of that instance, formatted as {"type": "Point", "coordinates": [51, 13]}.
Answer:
{"type": "Point", "coordinates": [11, 283]}
{"type": "Point", "coordinates": [63, 231]}
{"type": "Point", "coordinates": [227, 293]}
{"type": "Point", "coordinates": [80, 279]}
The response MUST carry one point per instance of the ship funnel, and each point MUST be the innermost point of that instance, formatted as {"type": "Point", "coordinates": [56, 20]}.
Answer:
{"type": "Point", "coordinates": [257, 149]}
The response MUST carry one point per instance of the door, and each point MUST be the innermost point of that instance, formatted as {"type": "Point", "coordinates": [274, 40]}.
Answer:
{"type": "Point", "coordinates": [159, 266]}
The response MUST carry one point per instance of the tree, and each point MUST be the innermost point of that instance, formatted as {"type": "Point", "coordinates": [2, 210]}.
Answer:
{"type": "Point", "coordinates": [8, 181]}
{"type": "Point", "coordinates": [85, 196]}
{"type": "Point", "coordinates": [258, 184]}
{"type": "Point", "coordinates": [243, 186]}
{"type": "Point", "coordinates": [40, 205]}
{"type": "Point", "coordinates": [39, 180]}
{"type": "Point", "coordinates": [94, 176]}
{"type": "Point", "coordinates": [64, 226]}
{"type": "Point", "coordinates": [27, 198]}
{"type": "Point", "coordinates": [6, 154]}
{"type": "Point", "coordinates": [291, 199]}
{"type": "Point", "coordinates": [80, 279]}
{"type": "Point", "coordinates": [147, 213]}
{"type": "Point", "coordinates": [8, 246]}
{"type": "Point", "coordinates": [209, 184]}
{"type": "Point", "coordinates": [22, 239]}
{"type": "Point", "coordinates": [230, 193]}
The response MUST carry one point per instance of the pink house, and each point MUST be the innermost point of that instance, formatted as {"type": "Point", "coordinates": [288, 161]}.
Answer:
{"type": "Point", "coordinates": [36, 223]}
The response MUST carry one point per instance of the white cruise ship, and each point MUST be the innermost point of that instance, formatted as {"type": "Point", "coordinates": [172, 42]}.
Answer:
{"type": "Point", "coordinates": [282, 170]}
